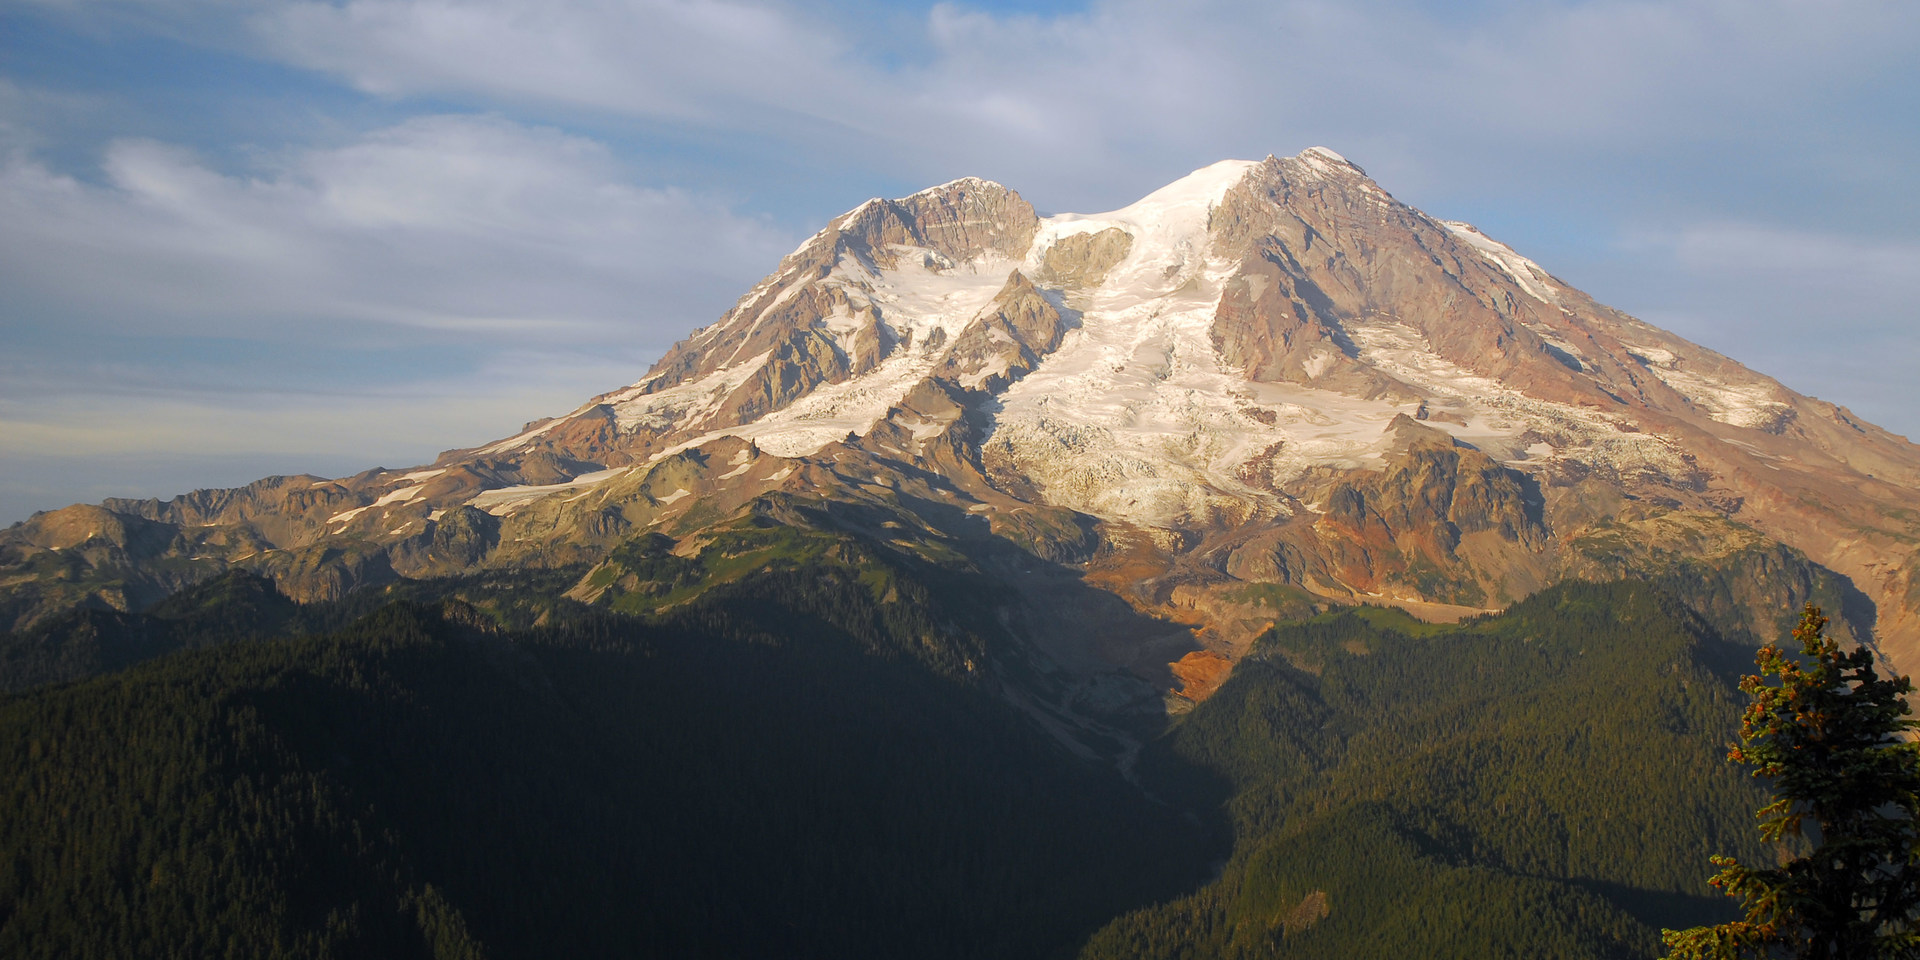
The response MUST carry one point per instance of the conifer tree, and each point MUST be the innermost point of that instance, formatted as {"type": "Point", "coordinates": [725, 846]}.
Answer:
{"type": "Point", "coordinates": [1846, 793]}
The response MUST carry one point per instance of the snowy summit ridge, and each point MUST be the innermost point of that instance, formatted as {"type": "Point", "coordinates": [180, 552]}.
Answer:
{"type": "Point", "coordinates": [1140, 412]}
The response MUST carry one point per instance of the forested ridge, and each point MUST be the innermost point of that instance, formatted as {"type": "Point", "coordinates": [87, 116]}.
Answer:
{"type": "Point", "coordinates": [1546, 782]}
{"type": "Point", "coordinates": [797, 745]}
{"type": "Point", "coordinates": [764, 773]}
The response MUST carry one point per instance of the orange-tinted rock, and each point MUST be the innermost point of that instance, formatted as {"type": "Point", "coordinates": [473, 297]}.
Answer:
{"type": "Point", "coordinates": [1201, 673]}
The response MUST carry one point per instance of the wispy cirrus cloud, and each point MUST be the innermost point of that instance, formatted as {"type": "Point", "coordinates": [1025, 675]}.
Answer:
{"type": "Point", "coordinates": [428, 285]}
{"type": "Point", "coordinates": [456, 222]}
{"type": "Point", "coordinates": [1092, 105]}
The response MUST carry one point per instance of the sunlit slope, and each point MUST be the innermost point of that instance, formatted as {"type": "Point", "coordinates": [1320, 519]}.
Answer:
{"type": "Point", "coordinates": [1266, 373]}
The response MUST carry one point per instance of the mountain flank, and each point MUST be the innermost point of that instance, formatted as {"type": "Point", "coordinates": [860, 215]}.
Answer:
{"type": "Point", "coordinates": [1265, 374]}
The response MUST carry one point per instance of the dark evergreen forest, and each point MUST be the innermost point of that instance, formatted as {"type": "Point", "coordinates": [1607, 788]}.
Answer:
{"type": "Point", "coordinates": [814, 758]}
{"type": "Point", "coordinates": [1546, 782]}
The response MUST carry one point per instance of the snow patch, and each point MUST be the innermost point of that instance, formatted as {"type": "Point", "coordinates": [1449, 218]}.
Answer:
{"type": "Point", "coordinates": [402, 495]}
{"type": "Point", "coordinates": [1500, 421]}
{"type": "Point", "coordinates": [1656, 356]}
{"type": "Point", "coordinates": [506, 500]}
{"type": "Point", "coordinates": [686, 404]}
{"type": "Point", "coordinates": [915, 303]}
{"type": "Point", "coordinates": [347, 515]}
{"type": "Point", "coordinates": [1525, 273]}
{"type": "Point", "coordinates": [1755, 404]}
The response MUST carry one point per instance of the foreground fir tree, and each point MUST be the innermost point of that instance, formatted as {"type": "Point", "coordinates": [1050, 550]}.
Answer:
{"type": "Point", "coordinates": [1846, 789]}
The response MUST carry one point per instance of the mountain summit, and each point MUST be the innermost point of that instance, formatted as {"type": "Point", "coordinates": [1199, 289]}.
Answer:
{"type": "Point", "coordinates": [1267, 380]}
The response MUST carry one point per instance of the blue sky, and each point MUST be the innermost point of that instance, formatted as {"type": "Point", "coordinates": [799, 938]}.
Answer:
{"type": "Point", "coordinates": [240, 238]}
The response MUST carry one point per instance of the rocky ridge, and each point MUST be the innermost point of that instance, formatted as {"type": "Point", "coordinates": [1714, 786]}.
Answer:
{"type": "Point", "coordinates": [1265, 387]}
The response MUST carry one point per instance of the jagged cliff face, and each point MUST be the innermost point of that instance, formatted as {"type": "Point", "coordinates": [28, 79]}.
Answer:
{"type": "Point", "coordinates": [1266, 374]}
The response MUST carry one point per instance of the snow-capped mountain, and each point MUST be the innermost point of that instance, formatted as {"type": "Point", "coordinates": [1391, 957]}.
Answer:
{"type": "Point", "coordinates": [1265, 372]}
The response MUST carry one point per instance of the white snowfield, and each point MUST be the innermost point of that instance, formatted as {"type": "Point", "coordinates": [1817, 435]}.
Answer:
{"type": "Point", "coordinates": [1754, 402]}
{"type": "Point", "coordinates": [1536, 282]}
{"type": "Point", "coordinates": [1134, 417]}
{"type": "Point", "coordinates": [506, 500]}
{"type": "Point", "coordinates": [914, 303]}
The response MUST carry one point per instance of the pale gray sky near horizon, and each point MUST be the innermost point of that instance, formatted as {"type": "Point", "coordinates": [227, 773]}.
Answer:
{"type": "Point", "coordinates": [240, 238]}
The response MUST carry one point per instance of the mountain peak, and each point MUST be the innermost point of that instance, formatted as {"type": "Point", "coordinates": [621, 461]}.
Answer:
{"type": "Point", "coordinates": [1212, 367]}
{"type": "Point", "coordinates": [1322, 155]}
{"type": "Point", "coordinates": [958, 184]}
{"type": "Point", "coordinates": [1201, 188]}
